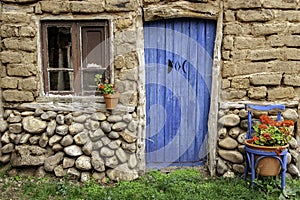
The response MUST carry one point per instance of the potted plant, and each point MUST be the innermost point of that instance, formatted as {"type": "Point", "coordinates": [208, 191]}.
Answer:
{"type": "Point", "coordinates": [271, 136]}
{"type": "Point", "coordinates": [109, 92]}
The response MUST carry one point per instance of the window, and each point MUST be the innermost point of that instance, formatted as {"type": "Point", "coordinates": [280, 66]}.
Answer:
{"type": "Point", "coordinates": [73, 52]}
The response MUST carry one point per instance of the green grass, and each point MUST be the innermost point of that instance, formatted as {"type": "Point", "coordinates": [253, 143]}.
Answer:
{"type": "Point", "coordinates": [179, 184]}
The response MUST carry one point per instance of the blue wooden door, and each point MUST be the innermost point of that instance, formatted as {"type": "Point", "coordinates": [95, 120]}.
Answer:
{"type": "Point", "coordinates": [178, 57]}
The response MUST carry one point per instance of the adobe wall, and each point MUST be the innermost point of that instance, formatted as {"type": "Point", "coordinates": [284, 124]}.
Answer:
{"type": "Point", "coordinates": [260, 51]}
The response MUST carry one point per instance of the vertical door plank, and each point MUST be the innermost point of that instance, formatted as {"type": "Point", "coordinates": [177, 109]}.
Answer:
{"type": "Point", "coordinates": [192, 70]}
{"type": "Point", "coordinates": [172, 108]}
{"type": "Point", "coordinates": [186, 121]}
{"type": "Point", "coordinates": [161, 91]}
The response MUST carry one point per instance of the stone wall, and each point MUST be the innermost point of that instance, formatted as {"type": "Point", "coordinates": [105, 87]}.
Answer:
{"type": "Point", "coordinates": [259, 65]}
{"type": "Point", "coordinates": [68, 134]}
{"type": "Point", "coordinates": [255, 61]}
{"type": "Point", "coordinates": [21, 57]}
{"type": "Point", "coordinates": [77, 144]}
{"type": "Point", "coordinates": [166, 9]}
{"type": "Point", "coordinates": [260, 51]}
{"type": "Point", "coordinates": [259, 56]}
{"type": "Point", "coordinates": [231, 135]}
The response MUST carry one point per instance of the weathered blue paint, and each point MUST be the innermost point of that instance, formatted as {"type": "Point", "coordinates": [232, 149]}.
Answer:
{"type": "Point", "coordinates": [178, 57]}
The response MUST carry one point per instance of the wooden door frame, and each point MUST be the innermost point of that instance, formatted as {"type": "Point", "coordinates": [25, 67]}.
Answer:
{"type": "Point", "coordinates": [214, 102]}
{"type": "Point", "coordinates": [151, 13]}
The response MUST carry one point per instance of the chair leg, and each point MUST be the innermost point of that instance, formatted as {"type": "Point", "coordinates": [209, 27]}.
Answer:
{"type": "Point", "coordinates": [283, 180]}
{"type": "Point", "coordinates": [252, 169]}
{"type": "Point", "coordinates": [250, 163]}
{"type": "Point", "coordinates": [246, 166]}
{"type": "Point", "coordinates": [283, 173]}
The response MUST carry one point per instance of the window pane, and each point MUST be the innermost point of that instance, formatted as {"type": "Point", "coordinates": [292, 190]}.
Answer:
{"type": "Point", "coordinates": [61, 81]}
{"type": "Point", "coordinates": [93, 47]}
{"type": "Point", "coordinates": [89, 80]}
{"type": "Point", "coordinates": [59, 47]}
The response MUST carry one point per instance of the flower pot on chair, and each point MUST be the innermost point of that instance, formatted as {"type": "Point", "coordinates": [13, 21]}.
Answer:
{"type": "Point", "coordinates": [267, 166]}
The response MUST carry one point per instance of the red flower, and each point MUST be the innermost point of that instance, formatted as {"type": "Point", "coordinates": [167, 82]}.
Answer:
{"type": "Point", "coordinates": [272, 133]}
{"type": "Point", "coordinates": [288, 123]}
{"type": "Point", "coordinates": [262, 126]}
{"type": "Point", "coordinates": [278, 124]}
{"type": "Point", "coordinates": [267, 136]}
{"type": "Point", "coordinates": [272, 123]}
{"type": "Point", "coordinates": [264, 119]}
{"type": "Point", "coordinates": [101, 87]}
{"type": "Point", "coordinates": [255, 138]}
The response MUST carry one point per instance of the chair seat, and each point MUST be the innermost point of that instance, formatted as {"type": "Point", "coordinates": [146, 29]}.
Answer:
{"type": "Point", "coordinates": [264, 153]}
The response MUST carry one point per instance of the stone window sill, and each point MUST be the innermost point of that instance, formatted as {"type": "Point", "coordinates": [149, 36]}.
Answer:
{"type": "Point", "coordinates": [70, 103]}
{"type": "Point", "coordinates": [70, 99]}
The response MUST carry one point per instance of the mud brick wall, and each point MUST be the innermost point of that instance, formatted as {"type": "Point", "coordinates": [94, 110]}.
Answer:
{"type": "Point", "coordinates": [260, 50]}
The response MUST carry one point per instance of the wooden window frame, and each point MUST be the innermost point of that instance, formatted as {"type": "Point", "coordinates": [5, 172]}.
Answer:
{"type": "Point", "coordinates": [77, 54]}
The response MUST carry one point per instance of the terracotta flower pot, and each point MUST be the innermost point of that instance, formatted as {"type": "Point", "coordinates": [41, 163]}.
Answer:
{"type": "Point", "coordinates": [266, 166]}
{"type": "Point", "coordinates": [111, 100]}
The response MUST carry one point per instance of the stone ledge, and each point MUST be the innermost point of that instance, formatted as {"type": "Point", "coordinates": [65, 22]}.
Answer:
{"type": "Point", "coordinates": [19, 1]}
{"type": "Point", "coordinates": [241, 104]}
{"type": "Point", "coordinates": [86, 107]}
{"type": "Point", "coordinates": [181, 9]}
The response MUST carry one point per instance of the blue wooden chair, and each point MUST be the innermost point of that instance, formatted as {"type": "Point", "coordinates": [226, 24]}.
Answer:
{"type": "Point", "coordinates": [250, 154]}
